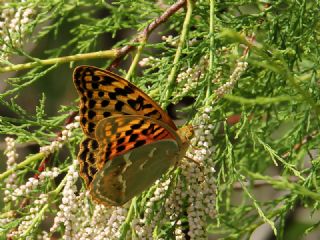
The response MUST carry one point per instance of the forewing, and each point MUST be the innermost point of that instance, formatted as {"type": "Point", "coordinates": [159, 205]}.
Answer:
{"type": "Point", "coordinates": [129, 174]}
{"type": "Point", "coordinates": [104, 94]}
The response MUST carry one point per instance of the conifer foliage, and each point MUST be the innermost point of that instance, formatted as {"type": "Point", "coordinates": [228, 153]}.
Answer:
{"type": "Point", "coordinates": [243, 73]}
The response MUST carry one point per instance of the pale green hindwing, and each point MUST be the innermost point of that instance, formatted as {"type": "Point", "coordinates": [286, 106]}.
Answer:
{"type": "Point", "coordinates": [131, 173]}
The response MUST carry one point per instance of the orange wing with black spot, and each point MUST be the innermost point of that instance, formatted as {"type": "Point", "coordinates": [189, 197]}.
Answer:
{"type": "Point", "coordinates": [87, 158]}
{"type": "Point", "coordinates": [104, 94]}
{"type": "Point", "coordinates": [130, 141]}
{"type": "Point", "coordinates": [119, 134]}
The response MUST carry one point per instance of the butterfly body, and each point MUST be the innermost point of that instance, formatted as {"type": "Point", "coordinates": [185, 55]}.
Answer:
{"type": "Point", "coordinates": [130, 141]}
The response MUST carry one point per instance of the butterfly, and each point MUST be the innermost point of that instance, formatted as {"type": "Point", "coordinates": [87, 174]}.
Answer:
{"type": "Point", "coordinates": [129, 143]}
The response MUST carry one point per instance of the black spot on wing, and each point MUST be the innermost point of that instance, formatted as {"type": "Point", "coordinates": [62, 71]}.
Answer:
{"type": "Point", "coordinates": [128, 132]}
{"type": "Point", "coordinates": [95, 85]}
{"type": "Point", "coordinates": [128, 90]}
{"type": "Point", "coordinates": [136, 126]}
{"type": "Point", "coordinates": [107, 81]}
{"type": "Point", "coordinates": [91, 114]}
{"type": "Point", "coordinates": [139, 103]}
{"type": "Point", "coordinates": [139, 143]}
{"type": "Point", "coordinates": [94, 144]}
{"type": "Point", "coordinates": [90, 178]}
{"type": "Point", "coordinates": [112, 95]}
{"type": "Point", "coordinates": [121, 148]}
{"type": "Point", "coordinates": [92, 103]}
{"type": "Point", "coordinates": [95, 78]}
{"type": "Point", "coordinates": [80, 89]}
{"type": "Point", "coordinates": [105, 103]}
{"type": "Point", "coordinates": [162, 131]}
{"type": "Point", "coordinates": [91, 127]}
{"type": "Point", "coordinates": [119, 106]}
{"type": "Point", "coordinates": [83, 153]}
{"type": "Point", "coordinates": [85, 167]}
{"type": "Point", "coordinates": [83, 110]}
{"type": "Point", "coordinates": [107, 154]}
{"type": "Point", "coordinates": [89, 94]}
{"type": "Point", "coordinates": [92, 171]}
{"type": "Point", "coordinates": [106, 114]}
{"type": "Point", "coordinates": [121, 91]}
{"type": "Point", "coordinates": [140, 100]}
{"type": "Point", "coordinates": [152, 128]}
{"type": "Point", "coordinates": [84, 121]}
{"type": "Point", "coordinates": [153, 112]}
{"type": "Point", "coordinates": [91, 158]}
{"type": "Point", "coordinates": [148, 105]}
{"type": "Point", "coordinates": [84, 99]}
{"type": "Point", "coordinates": [133, 137]}
{"type": "Point", "coordinates": [120, 141]}
{"type": "Point", "coordinates": [132, 103]}
{"type": "Point", "coordinates": [77, 75]}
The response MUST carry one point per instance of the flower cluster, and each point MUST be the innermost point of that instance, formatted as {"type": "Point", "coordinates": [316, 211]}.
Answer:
{"type": "Point", "coordinates": [200, 178]}
{"type": "Point", "coordinates": [31, 184]}
{"type": "Point", "coordinates": [148, 61]}
{"type": "Point", "coordinates": [103, 223]}
{"type": "Point", "coordinates": [202, 140]}
{"type": "Point", "coordinates": [173, 41]}
{"type": "Point", "coordinates": [82, 221]}
{"type": "Point", "coordinates": [144, 227]}
{"type": "Point", "coordinates": [191, 76]}
{"type": "Point", "coordinates": [11, 163]}
{"type": "Point", "coordinates": [78, 220]}
{"type": "Point", "coordinates": [235, 76]}
{"type": "Point", "coordinates": [31, 218]}
{"type": "Point", "coordinates": [115, 221]}
{"type": "Point", "coordinates": [93, 227]}
{"type": "Point", "coordinates": [13, 26]}
{"type": "Point", "coordinates": [65, 134]}
{"type": "Point", "coordinates": [66, 215]}
{"type": "Point", "coordinates": [194, 192]}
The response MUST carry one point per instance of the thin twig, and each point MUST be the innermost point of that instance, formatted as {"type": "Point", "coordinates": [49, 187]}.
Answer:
{"type": "Point", "coordinates": [29, 160]}
{"type": "Point", "coordinates": [135, 60]}
{"type": "Point", "coordinates": [212, 53]}
{"type": "Point", "coordinates": [93, 55]}
{"type": "Point", "coordinates": [303, 142]}
{"type": "Point", "coordinates": [261, 183]}
{"type": "Point", "coordinates": [145, 33]}
{"type": "Point", "coordinates": [175, 68]}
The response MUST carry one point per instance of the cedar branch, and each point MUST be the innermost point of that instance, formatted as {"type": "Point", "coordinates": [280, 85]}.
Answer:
{"type": "Point", "coordinates": [145, 33]}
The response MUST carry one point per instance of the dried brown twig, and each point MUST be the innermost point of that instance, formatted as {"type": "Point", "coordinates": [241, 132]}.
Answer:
{"type": "Point", "coordinates": [299, 145]}
{"type": "Point", "coordinates": [144, 34]}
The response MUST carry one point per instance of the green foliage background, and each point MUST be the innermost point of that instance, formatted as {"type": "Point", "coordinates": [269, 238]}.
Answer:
{"type": "Point", "coordinates": [267, 162]}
